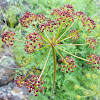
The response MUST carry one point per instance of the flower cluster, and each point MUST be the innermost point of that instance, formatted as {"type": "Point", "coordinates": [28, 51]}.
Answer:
{"type": "Point", "coordinates": [75, 36]}
{"type": "Point", "coordinates": [64, 14]}
{"type": "Point", "coordinates": [33, 40]}
{"type": "Point", "coordinates": [86, 21]}
{"type": "Point", "coordinates": [33, 84]}
{"type": "Point", "coordinates": [92, 42]}
{"type": "Point", "coordinates": [69, 63]}
{"type": "Point", "coordinates": [95, 60]}
{"type": "Point", "coordinates": [8, 37]}
{"type": "Point", "coordinates": [19, 81]}
{"type": "Point", "coordinates": [40, 18]}
{"type": "Point", "coordinates": [81, 15]}
{"type": "Point", "coordinates": [26, 19]}
{"type": "Point", "coordinates": [91, 24]}
{"type": "Point", "coordinates": [49, 26]}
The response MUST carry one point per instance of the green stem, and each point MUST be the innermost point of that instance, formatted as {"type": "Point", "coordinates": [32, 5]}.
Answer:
{"type": "Point", "coordinates": [44, 38]}
{"type": "Point", "coordinates": [31, 29]}
{"type": "Point", "coordinates": [71, 44]}
{"type": "Point", "coordinates": [59, 31]}
{"type": "Point", "coordinates": [46, 44]}
{"type": "Point", "coordinates": [97, 97]}
{"type": "Point", "coordinates": [35, 66]}
{"type": "Point", "coordinates": [67, 30]}
{"type": "Point", "coordinates": [69, 36]}
{"type": "Point", "coordinates": [72, 54]}
{"type": "Point", "coordinates": [45, 64]}
{"type": "Point", "coordinates": [54, 75]}
{"type": "Point", "coordinates": [19, 40]}
{"type": "Point", "coordinates": [41, 48]}
{"type": "Point", "coordinates": [47, 37]}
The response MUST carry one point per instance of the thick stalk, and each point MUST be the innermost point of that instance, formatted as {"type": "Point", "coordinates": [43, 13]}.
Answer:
{"type": "Point", "coordinates": [54, 75]}
{"type": "Point", "coordinates": [97, 97]}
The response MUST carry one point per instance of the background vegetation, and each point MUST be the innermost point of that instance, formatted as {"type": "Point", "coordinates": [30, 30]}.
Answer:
{"type": "Point", "coordinates": [65, 83]}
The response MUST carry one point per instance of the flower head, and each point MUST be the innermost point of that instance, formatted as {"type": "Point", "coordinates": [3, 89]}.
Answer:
{"type": "Point", "coordinates": [8, 37]}
{"type": "Point", "coordinates": [26, 19]}
{"type": "Point", "coordinates": [49, 26]}
{"type": "Point", "coordinates": [91, 24]}
{"type": "Point", "coordinates": [75, 36]}
{"type": "Point", "coordinates": [69, 63]}
{"type": "Point", "coordinates": [33, 84]}
{"type": "Point", "coordinates": [29, 18]}
{"type": "Point", "coordinates": [40, 18]}
{"type": "Point", "coordinates": [19, 81]}
{"type": "Point", "coordinates": [94, 60]}
{"type": "Point", "coordinates": [92, 42]}
{"type": "Point", "coordinates": [32, 41]}
{"type": "Point", "coordinates": [64, 14]}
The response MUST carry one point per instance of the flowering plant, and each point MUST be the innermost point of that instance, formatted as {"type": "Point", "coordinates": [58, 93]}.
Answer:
{"type": "Point", "coordinates": [47, 33]}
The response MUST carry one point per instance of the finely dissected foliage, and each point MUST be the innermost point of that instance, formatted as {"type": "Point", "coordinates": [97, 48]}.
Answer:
{"type": "Point", "coordinates": [47, 33]}
{"type": "Point", "coordinates": [91, 88]}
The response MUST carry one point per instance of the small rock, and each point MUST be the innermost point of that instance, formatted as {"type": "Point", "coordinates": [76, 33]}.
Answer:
{"type": "Point", "coordinates": [17, 92]}
{"type": "Point", "coordinates": [6, 75]}
{"type": "Point", "coordinates": [12, 92]}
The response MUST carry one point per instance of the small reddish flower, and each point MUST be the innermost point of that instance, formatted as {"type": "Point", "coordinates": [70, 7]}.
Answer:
{"type": "Point", "coordinates": [8, 37]}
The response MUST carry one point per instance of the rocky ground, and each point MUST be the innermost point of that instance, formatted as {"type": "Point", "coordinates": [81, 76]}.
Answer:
{"type": "Point", "coordinates": [8, 89]}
